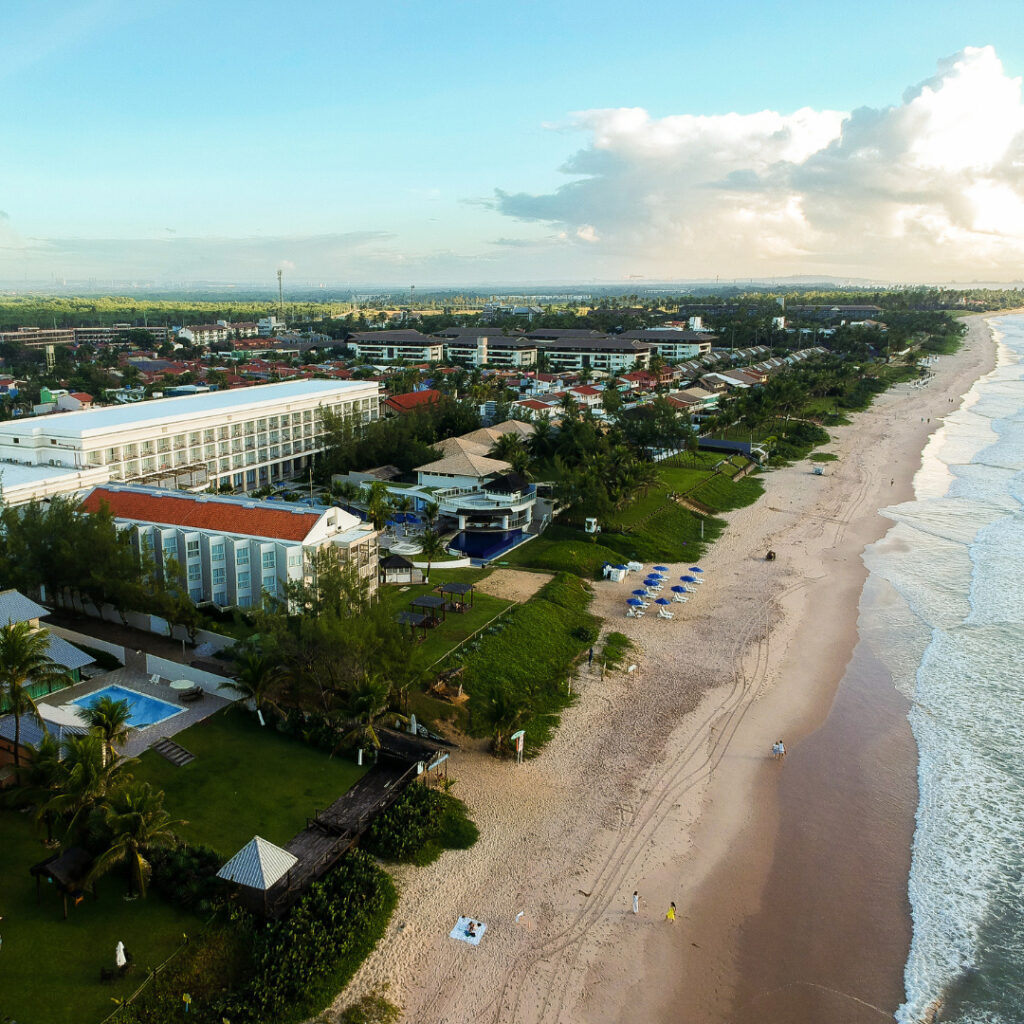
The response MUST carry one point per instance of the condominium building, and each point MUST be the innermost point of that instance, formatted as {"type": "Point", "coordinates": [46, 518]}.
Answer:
{"type": "Point", "coordinates": [39, 337]}
{"type": "Point", "coordinates": [243, 438]}
{"type": "Point", "coordinates": [232, 551]}
{"type": "Point", "coordinates": [396, 346]}
{"type": "Point", "coordinates": [612, 354]}
{"type": "Point", "coordinates": [674, 345]}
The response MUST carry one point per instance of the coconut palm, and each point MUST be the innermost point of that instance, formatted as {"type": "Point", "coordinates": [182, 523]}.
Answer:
{"type": "Point", "coordinates": [108, 718]}
{"type": "Point", "coordinates": [431, 512]}
{"type": "Point", "coordinates": [86, 780]}
{"type": "Point", "coordinates": [25, 661]}
{"type": "Point", "coordinates": [502, 711]}
{"type": "Point", "coordinates": [379, 506]}
{"type": "Point", "coordinates": [431, 548]}
{"type": "Point", "coordinates": [39, 780]}
{"type": "Point", "coordinates": [256, 679]}
{"type": "Point", "coordinates": [133, 821]}
{"type": "Point", "coordinates": [368, 704]}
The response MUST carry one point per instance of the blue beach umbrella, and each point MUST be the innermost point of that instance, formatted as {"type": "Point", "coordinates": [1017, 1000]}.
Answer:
{"type": "Point", "coordinates": [688, 579]}
{"type": "Point", "coordinates": [639, 593]}
{"type": "Point", "coordinates": [625, 568]}
{"type": "Point", "coordinates": [663, 600]}
{"type": "Point", "coordinates": [634, 602]}
{"type": "Point", "coordinates": [679, 590]}
{"type": "Point", "coordinates": [696, 568]}
{"type": "Point", "coordinates": [661, 568]}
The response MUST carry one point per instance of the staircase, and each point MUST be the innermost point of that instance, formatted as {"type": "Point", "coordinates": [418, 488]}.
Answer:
{"type": "Point", "coordinates": [174, 753]}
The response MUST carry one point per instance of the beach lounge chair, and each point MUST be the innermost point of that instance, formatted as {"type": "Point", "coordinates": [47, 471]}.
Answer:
{"type": "Point", "coordinates": [679, 599]}
{"type": "Point", "coordinates": [662, 614]}
{"type": "Point", "coordinates": [155, 679]}
{"type": "Point", "coordinates": [635, 566]}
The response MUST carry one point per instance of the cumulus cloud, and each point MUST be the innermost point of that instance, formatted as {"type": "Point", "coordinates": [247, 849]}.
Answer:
{"type": "Point", "coordinates": [930, 186]}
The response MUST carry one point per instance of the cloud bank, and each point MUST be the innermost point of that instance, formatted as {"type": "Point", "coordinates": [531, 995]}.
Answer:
{"type": "Point", "coordinates": [930, 187]}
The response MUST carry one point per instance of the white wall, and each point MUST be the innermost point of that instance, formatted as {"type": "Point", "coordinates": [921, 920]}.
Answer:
{"type": "Point", "coordinates": [175, 670]}
{"type": "Point", "coordinates": [81, 640]}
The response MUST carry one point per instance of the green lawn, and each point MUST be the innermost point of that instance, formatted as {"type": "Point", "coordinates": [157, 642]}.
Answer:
{"type": "Point", "coordinates": [245, 781]}
{"type": "Point", "coordinates": [457, 627]}
{"type": "Point", "coordinates": [49, 967]}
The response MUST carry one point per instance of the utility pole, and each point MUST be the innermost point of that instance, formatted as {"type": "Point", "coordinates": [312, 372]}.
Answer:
{"type": "Point", "coordinates": [280, 294]}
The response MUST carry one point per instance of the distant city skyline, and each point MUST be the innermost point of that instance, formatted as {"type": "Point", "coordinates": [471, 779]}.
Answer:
{"type": "Point", "coordinates": [451, 144]}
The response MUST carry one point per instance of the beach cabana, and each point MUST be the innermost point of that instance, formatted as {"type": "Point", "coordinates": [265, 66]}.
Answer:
{"type": "Point", "coordinates": [413, 620]}
{"type": "Point", "coordinates": [456, 593]}
{"type": "Point", "coordinates": [256, 868]}
{"type": "Point", "coordinates": [396, 569]}
{"type": "Point", "coordinates": [430, 604]}
{"type": "Point", "coordinates": [67, 871]}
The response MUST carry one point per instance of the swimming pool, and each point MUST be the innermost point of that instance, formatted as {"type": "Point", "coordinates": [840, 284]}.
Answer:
{"type": "Point", "coordinates": [143, 710]}
{"type": "Point", "coordinates": [486, 546]}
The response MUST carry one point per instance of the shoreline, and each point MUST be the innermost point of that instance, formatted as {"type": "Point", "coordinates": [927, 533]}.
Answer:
{"type": "Point", "coordinates": [660, 781]}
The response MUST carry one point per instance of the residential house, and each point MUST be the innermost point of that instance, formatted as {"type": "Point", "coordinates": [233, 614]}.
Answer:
{"type": "Point", "coordinates": [412, 401]}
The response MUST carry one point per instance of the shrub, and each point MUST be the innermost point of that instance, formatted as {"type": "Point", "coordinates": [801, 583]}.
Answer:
{"type": "Point", "coordinates": [371, 1009]}
{"type": "Point", "coordinates": [419, 826]}
{"type": "Point", "coordinates": [186, 875]}
{"type": "Point", "coordinates": [616, 647]}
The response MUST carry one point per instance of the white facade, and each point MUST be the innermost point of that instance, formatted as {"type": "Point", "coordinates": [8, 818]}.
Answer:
{"type": "Point", "coordinates": [245, 437]}
{"type": "Point", "coordinates": [232, 559]}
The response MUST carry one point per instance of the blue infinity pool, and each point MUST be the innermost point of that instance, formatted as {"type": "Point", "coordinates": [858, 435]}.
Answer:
{"type": "Point", "coordinates": [143, 710]}
{"type": "Point", "coordinates": [486, 545]}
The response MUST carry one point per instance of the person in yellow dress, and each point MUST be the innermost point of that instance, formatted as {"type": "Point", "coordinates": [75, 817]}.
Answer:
{"type": "Point", "coordinates": [671, 915]}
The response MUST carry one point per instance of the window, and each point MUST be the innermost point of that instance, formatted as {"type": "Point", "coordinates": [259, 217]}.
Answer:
{"type": "Point", "coordinates": [270, 584]}
{"type": "Point", "coordinates": [220, 576]}
{"type": "Point", "coordinates": [217, 552]}
{"type": "Point", "coordinates": [220, 597]}
{"type": "Point", "coordinates": [244, 602]}
{"type": "Point", "coordinates": [195, 572]}
{"type": "Point", "coordinates": [196, 595]}
{"type": "Point", "coordinates": [192, 549]}
{"type": "Point", "coordinates": [241, 556]}
{"type": "Point", "coordinates": [243, 581]}
{"type": "Point", "coordinates": [268, 560]}
{"type": "Point", "coordinates": [294, 558]}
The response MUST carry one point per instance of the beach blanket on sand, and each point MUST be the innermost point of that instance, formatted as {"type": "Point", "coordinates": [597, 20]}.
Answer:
{"type": "Point", "coordinates": [459, 931]}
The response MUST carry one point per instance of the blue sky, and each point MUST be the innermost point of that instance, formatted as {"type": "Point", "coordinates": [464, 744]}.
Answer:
{"type": "Point", "coordinates": [428, 143]}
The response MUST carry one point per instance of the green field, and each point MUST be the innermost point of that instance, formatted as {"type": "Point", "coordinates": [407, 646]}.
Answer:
{"type": "Point", "coordinates": [245, 781]}
{"type": "Point", "coordinates": [448, 634]}
{"type": "Point", "coordinates": [49, 967]}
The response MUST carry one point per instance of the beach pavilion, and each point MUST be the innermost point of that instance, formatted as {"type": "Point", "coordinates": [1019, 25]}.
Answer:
{"type": "Point", "coordinates": [430, 604]}
{"type": "Point", "coordinates": [413, 620]}
{"type": "Point", "coordinates": [257, 867]}
{"type": "Point", "coordinates": [457, 592]}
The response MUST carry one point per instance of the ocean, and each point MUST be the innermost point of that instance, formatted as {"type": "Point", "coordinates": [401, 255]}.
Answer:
{"type": "Point", "coordinates": [946, 616]}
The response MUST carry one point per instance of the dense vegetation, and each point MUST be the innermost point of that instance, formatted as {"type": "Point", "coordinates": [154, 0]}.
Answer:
{"type": "Point", "coordinates": [246, 970]}
{"type": "Point", "coordinates": [517, 678]}
{"type": "Point", "coordinates": [420, 826]}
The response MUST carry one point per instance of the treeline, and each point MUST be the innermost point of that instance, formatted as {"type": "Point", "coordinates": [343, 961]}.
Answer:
{"type": "Point", "coordinates": [77, 559]}
{"type": "Point", "coordinates": [403, 441]}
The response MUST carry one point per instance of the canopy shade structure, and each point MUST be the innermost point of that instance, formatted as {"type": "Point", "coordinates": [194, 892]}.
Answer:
{"type": "Point", "coordinates": [428, 601]}
{"type": "Point", "coordinates": [410, 618]}
{"type": "Point", "coordinates": [624, 568]}
{"type": "Point", "coordinates": [258, 865]}
{"type": "Point", "coordinates": [456, 588]}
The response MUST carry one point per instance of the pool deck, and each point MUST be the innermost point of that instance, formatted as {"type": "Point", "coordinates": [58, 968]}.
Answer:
{"type": "Point", "coordinates": [140, 740]}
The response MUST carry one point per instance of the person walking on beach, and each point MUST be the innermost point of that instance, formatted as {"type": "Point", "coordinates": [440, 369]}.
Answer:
{"type": "Point", "coordinates": [671, 915]}
{"type": "Point", "coordinates": [636, 902]}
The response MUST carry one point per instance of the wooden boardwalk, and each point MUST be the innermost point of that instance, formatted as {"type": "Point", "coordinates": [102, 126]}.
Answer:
{"type": "Point", "coordinates": [330, 833]}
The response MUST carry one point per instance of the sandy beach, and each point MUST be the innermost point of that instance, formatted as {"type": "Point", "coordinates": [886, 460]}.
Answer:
{"type": "Point", "coordinates": [789, 878]}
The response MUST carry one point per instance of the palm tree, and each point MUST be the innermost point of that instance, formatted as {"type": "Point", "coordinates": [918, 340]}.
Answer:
{"type": "Point", "coordinates": [379, 507]}
{"type": "Point", "coordinates": [87, 778]}
{"type": "Point", "coordinates": [108, 718]}
{"type": "Point", "coordinates": [431, 512]}
{"type": "Point", "coordinates": [368, 704]}
{"type": "Point", "coordinates": [503, 711]}
{"type": "Point", "coordinates": [135, 821]}
{"type": "Point", "coordinates": [25, 660]}
{"type": "Point", "coordinates": [431, 548]}
{"type": "Point", "coordinates": [39, 780]}
{"type": "Point", "coordinates": [256, 677]}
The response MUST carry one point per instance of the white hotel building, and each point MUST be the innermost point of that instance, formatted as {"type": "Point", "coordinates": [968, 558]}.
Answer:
{"type": "Point", "coordinates": [246, 438]}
